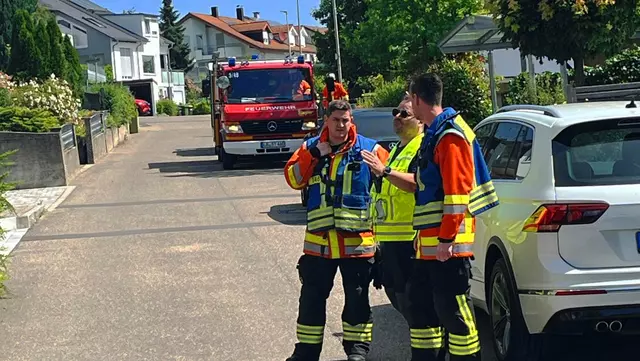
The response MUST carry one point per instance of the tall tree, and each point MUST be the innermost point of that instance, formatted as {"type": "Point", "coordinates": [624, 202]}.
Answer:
{"type": "Point", "coordinates": [44, 44]}
{"type": "Point", "coordinates": [7, 11]}
{"type": "Point", "coordinates": [350, 14]}
{"type": "Point", "coordinates": [169, 29]}
{"type": "Point", "coordinates": [567, 30]}
{"type": "Point", "coordinates": [73, 69]}
{"type": "Point", "coordinates": [25, 60]}
{"type": "Point", "coordinates": [56, 60]}
{"type": "Point", "coordinates": [402, 35]}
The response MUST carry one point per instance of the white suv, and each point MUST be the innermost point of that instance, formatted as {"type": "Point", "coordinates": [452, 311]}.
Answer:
{"type": "Point", "coordinates": [561, 254]}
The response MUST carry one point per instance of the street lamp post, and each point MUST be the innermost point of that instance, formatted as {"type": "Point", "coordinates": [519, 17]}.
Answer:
{"type": "Point", "coordinates": [299, 28]}
{"type": "Point", "coordinates": [335, 28]}
{"type": "Point", "coordinates": [286, 20]}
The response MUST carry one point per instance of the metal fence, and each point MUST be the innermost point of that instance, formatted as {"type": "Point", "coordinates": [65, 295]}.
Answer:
{"type": "Point", "coordinates": [607, 92]}
{"type": "Point", "coordinates": [97, 125]}
{"type": "Point", "coordinates": [68, 136]}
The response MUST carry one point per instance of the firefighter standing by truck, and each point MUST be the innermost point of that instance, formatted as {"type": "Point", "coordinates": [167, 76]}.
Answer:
{"type": "Point", "coordinates": [333, 90]}
{"type": "Point", "coordinates": [393, 203]}
{"type": "Point", "coordinates": [454, 186]}
{"type": "Point", "coordinates": [338, 234]}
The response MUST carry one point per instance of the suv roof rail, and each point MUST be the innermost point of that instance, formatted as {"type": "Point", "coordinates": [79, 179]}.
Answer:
{"type": "Point", "coordinates": [546, 110]}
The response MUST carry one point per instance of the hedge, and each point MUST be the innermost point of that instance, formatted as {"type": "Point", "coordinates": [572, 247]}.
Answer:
{"type": "Point", "coordinates": [22, 119]}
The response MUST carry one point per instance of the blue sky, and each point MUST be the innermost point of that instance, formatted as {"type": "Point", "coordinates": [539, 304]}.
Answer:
{"type": "Point", "coordinates": [268, 9]}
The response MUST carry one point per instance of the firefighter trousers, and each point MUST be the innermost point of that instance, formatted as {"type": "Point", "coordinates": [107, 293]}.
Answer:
{"type": "Point", "coordinates": [440, 303]}
{"type": "Point", "coordinates": [317, 275]}
{"type": "Point", "coordinates": [396, 265]}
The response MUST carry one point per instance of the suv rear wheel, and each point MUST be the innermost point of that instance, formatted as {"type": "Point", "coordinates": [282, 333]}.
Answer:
{"type": "Point", "coordinates": [511, 339]}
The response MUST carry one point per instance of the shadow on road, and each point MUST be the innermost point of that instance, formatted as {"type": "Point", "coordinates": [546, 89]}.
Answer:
{"type": "Point", "coordinates": [293, 214]}
{"type": "Point", "coordinates": [195, 152]}
{"type": "Point", "coordinates": [213, 169]}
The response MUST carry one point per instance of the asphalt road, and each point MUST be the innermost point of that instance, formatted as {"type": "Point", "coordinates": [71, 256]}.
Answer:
{"type": "Point", "coordinates": [159, 254]}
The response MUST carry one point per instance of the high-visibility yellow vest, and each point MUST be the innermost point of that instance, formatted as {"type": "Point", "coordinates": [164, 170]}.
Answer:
{"type": "Point", "coordinates": [393, 207]}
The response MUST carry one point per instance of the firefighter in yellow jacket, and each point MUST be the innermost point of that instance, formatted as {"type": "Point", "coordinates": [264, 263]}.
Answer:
{"type": "Point", "coordinates": [393, 203]}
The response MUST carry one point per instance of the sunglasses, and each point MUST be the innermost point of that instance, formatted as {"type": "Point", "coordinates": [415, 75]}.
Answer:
{"type": "Point", "coordinates": [403, 113]}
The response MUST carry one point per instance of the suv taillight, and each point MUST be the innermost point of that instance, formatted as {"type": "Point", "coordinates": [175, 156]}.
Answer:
{"type": "Point", "coordinates": [549, 217]}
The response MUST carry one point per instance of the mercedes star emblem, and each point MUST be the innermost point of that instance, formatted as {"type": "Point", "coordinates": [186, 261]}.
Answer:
{"type": "Point", "coordinates": [392, 145]}
{"type": "Point", "coordinates": [272, 126]}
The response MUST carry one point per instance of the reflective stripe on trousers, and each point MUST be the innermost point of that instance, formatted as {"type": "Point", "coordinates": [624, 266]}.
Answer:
{"type": "Point", "coordinates": [310, 334]}
{"type": "Point", "coordinates": [358, 333]}
{"type": "Point", "coordinates": [427, 338]}
{"type": "Point", "coordinates": [464, 345]}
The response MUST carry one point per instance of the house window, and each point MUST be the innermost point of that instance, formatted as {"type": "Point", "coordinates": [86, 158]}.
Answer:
{"type": "Point", "coordinates": [199, 42]}
{"type": "Point", "coordinates": [64, 23]}
{"type": "Point", "coordinates": [80, 39]}
{"type": "Point", "coordinates": [147, 26]}
{"type": "Point", "coordinates": [126, 63]}
{"type": "Point", "coordinates": [220, 40]}
{"type": "Point", "coordinates": [148, 64]}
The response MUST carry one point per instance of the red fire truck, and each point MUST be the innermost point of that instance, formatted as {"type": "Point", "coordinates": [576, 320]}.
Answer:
{"type": "Point", "coordinates": [262, 107]}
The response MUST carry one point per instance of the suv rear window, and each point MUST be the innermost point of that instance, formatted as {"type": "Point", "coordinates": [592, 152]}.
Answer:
{"type": "Point", "coordinates": [605, 152]}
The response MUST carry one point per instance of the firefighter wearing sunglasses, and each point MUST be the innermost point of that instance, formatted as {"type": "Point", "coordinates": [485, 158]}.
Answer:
{"type": "Point", "coordinates": [454, 186]}
{"type": "Point", "coordinates": [393, 203]}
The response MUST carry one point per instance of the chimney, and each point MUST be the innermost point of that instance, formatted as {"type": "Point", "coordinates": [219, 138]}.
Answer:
{"type": "Point", "coordinates": [256, 15]}
{"type": "Point", "coordinates": [240, 13]}
{"type": "Point", "coordinates": [214, 11]}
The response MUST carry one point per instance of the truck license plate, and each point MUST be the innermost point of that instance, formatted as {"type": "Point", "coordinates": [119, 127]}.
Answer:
{"type": "Point", "coordinates": [271, 145]}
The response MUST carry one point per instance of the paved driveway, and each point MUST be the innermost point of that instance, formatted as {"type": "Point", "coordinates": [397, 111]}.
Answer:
{"type": "Point", "coordinates": [159, 254]}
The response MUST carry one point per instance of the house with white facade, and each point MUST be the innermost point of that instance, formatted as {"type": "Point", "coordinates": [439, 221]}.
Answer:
{"type": "Point", "coordinates": [153, 61]}
{"type": "Point", "coordinates": [130, 43]}
{"type": "Point", "coordinates": [242, 37]}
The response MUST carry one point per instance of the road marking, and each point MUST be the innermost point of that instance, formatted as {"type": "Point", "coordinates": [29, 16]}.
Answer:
{"type": "Point", "coordinates": [169, 201]}
{"type": "Point", "coordinates": [131, 232]}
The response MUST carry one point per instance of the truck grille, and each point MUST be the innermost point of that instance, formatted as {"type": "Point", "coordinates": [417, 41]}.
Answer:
{"type": "Point", "coordinates": [271, 126]}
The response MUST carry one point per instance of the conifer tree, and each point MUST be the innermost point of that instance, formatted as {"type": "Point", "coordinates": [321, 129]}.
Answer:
{"type": "Point", "coordinates": [170, 30]}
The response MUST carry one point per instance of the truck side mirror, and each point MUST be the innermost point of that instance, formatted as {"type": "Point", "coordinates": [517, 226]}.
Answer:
{"type": "Point", "coordinates": [223, 82]}
{"type": "Point", "coordinates": [206, 88]}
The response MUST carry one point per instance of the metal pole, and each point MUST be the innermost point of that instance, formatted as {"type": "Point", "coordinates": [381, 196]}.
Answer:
{"type": "Point", "coordinates": [492, 83]}
{"type": "Point", "coordinates": [299, 28]}
{"type": "Point", "coordinates": [286, 20]}
{"type": "Point", "coordinates": [565, 81]}
{"type": "Point", "coordinates": [335, 27]}
{"type": "Point", "coordinates": [532, 73]}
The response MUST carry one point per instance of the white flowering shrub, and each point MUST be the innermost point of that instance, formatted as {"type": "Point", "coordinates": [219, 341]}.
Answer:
{"type": "Point", "coordinates": [53, 94]}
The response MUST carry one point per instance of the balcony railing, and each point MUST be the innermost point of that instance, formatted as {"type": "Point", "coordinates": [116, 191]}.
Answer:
{"type": "Point", "coordinates": [177, 78]}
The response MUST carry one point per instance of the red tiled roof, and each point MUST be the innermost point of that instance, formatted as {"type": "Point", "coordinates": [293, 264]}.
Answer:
{"type": "Point", "coordinates": [254, 26]}
{"type": "Point", "coordinates": [222, 23]}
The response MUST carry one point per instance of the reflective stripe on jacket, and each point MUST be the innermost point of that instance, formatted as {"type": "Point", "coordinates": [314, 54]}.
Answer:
{"type": "Point", "coordinates": [392, 207]}
{"type": "Point", "coordinates": [454, 186]}
{"type": "Point", "coordinates": [338, 207]}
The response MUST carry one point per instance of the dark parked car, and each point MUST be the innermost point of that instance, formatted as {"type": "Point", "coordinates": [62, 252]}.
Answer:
{"type": "Point", "coordinates": [374, 123]}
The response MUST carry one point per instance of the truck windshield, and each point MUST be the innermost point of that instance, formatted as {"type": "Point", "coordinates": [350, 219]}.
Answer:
{"type": "Point", "coordinates": [269, 86]}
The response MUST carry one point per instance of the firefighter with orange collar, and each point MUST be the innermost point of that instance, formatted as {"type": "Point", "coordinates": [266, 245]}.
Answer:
{"type": "Point", "coordinates": [454, 186]}
{"type": "Point", "coordinates": [339, 232]}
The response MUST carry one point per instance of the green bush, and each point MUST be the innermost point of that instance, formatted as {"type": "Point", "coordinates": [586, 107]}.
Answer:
{"type": "Point", "coordinates": [202, 106]}
{"type": "Point", "coordinates": [119, 102]}
{"type": "Point", "coordinates": [620, 68]}
{"type": "Point", "coordinates": [466, 86]}
{"type": "Point", "coordinates": [548, 90]}
{"type": "Point", "coordinates": [5, 97]}
{"type": "Point", "coordinates": [386, 93]}
{"type": "Point", "coordinates": [167, 106]}
{"type": "Point", "coordinates": [22, 119]}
